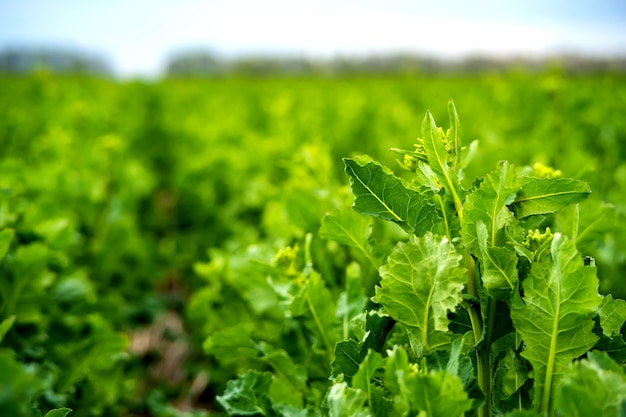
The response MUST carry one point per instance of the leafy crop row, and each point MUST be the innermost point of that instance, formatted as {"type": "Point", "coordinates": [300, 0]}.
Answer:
{"type": "Point", "coordinates": [155, 245]}
{"type": "Point", "coordinates": [481, 307]}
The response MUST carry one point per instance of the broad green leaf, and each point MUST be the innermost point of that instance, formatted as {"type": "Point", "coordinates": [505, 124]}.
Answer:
{"type": "Point", "coordinates": [589, 390]}
{"type": "Point", "coordinates": [248, 395]}
{"type": "Point", "coordinates": [612, 315]}
{"type": "Point", "coordinates": [498, 265]}
{"type": "Point", "coordinates": [421, 282]}
{"type": "Point", "coordinates": [6, 325]}
{"type": "Point", "coordinates": [383, 195]}
{"type": "Point", "coordinates": [437, 393]}
{"type": "Point", "coordinates": [547, 195]}
{"type": "Point", "coordinates": [5, 241]}
{"type": "Point", "coordinates": [343, 401]}
{"type": "Point", "coordinates": [555, 316]}
{"type": "Point", "coordinates": [59, 412]}
{"type": "Point", "coordinates": [488, 204]}
{"type": "Point", "coordinates": [349, 228]}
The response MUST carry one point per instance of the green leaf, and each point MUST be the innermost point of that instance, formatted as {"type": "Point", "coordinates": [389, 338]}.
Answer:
{"type": "Point", "coordinates": [371, 368]}
{"type": "Point", "coordinates": [612, 315]}
{"type": "Point", "coordinates": [348, 356]}
{"type": "Point", "coordinates": [587, 389]}
{"type": "Point", "coordinates": [248, 395]}
{"type": "Point", "coordinates": [438, 394]}
{"type": "Point", "coordinates": [235, 344]}
{"type": "Point", "coordinates": [29, 270]}
{"type": "Point", "coordinates": [316, 306]}
{"type": "Point", "coordinates": [94, 355]}
{"type": "Point", "coordinates": [352, 301]}
{"type": "Point", "coordinates": [555, 316]}
{"type": "Point", "coordinates": [455, 353]}
{"type": "Point", "coordinates": [421, 282]}
{"type": "Point", "coordinates": [398, 360]}
{"type": "Point", "coordinates": [282, 392]}
{"type": "Point", "coordinates": [232, 344]}
{"type": "Point", "coordinates": [349, 228]}
{"type": "Point", "coordinates": [59, 412]}
{"type": "Point", "coordinates": [548, 195]}
{"type": "Point", "coordinates": [455, 132]}
{"type": "Point", "coordinates": [614, 345]}
{"type": "Point", "coordinates": [343, 401]}
{"type": "Point", "coordinates": [435, 148]}
{"type": "Point", "coordinates": [438, 157]}
{"type": "Point", "coordinates": [383, 195]}
{"type": "Point", "coordinates": [378, 326]}
{"type": "Point", "coordinates": [6, 325]}
{"type": "Point", "coordinates": [368, 368]}
{"type": "Point", "coordinates": [523, 413]}
{"type": "Point", "coordinates": [499, 266]}
{"type": "Point", "coordinates": [284, 366]}
{"type": "Point", "coordinates": [588, 222]}
{"type": "Point", "coordinates": [349, 353]}
{"type": "Point", "coordinates": [488, 205]}
{"type": "Point", "coordinates": [17, 386]}
{"type": "Point", "coordinates": [6, 236]}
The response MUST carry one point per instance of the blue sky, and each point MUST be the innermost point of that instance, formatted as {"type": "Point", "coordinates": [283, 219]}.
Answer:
{"type": "Point", "coordinates": [137, 36]}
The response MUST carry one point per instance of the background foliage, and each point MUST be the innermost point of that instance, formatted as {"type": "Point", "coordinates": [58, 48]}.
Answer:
{"type": "Point", "coordinates": [139, 222]}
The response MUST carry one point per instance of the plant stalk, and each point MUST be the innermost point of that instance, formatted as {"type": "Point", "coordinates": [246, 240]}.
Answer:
{"type": "Point", "coordinates": [482, 354]}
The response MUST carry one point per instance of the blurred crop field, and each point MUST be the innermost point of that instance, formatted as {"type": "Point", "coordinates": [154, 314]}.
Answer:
{"type": "Point", "coordinates": [136, 217]}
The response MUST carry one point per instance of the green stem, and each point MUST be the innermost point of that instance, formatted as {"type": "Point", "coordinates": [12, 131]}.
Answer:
{"type": "Point", "coordinates": [485, 351]}
{"type": "Point", "coordinates": [445, 217]}
{"type": "Point", "coordinates": [424, 367]}
{"type": "Point", "coordinates": [482, 355]}
{"type": "Point", "coordinates": [517, 378]}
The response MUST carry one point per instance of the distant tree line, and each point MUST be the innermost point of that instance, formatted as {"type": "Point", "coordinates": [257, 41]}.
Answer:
{"type": "Point", "coordinates": [55, 60]}
{"type": "Point", "coordinates": [201, 63]}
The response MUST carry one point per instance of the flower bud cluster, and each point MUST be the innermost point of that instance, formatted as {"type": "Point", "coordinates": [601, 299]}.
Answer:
{"type": "Point", "coordinates": [535, 239]}
{"type": "Point", "coordinates": [543, 171]}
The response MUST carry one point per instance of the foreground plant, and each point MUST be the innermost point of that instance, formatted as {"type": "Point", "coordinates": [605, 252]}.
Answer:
{"type": "Point", "coordinates": [480, 308]}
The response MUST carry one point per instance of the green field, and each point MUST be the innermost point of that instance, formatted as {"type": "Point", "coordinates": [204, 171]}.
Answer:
{"type": "Point", "coordinates": [141, 223]}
